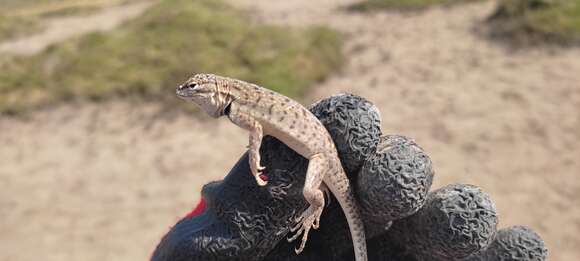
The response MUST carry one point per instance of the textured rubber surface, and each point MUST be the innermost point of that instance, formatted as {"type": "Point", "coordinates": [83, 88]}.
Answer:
{"type": "Point", "coordinates": [457, 221]}
{"type": "Point", "coordinates": [517, 243]}
{"type": "Point", "coordinates": [391, 174]}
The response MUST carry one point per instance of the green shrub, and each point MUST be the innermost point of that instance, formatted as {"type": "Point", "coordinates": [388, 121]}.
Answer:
{"type": "Point", "coordinates": [150, 55]}
{"type": "Point", "coordinates": [370, 5]}
{"type": "Point", "coordinates": [557, 20]}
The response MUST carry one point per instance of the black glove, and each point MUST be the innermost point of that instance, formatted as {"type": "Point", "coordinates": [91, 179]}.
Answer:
{"type": "Point", "coordinates": [391, 175]}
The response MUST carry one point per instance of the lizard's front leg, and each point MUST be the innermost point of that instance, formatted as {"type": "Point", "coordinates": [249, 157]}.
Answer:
{"type": "Point", "coordinates": [256, 133]}
{"type": "Point", "coordinates": [317, 167]}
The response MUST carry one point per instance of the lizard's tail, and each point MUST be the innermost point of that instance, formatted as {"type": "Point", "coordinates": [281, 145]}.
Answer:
{"type": "Point", "coordinates": [344, 193]}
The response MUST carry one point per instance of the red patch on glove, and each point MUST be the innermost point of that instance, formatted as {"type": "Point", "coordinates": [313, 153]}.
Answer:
{"type": "Point", "coordinates": [197, 210]}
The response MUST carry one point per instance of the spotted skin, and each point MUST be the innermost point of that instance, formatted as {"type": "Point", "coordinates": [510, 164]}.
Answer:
{"type": "Point", "coordinates": [264, 112]}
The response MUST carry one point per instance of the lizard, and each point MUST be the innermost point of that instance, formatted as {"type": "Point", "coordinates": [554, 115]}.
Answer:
{"type": "Point", "coordinates": [264, 112]}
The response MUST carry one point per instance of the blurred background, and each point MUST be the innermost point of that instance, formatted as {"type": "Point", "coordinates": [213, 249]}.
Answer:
{"type": "Point", "coordinates": [98, 158]}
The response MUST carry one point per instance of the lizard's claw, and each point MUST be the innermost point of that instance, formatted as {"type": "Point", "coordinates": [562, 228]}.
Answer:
{"type": "Point", "coordinates": [260, 181]}
{"type": "Point", "coordinates": [302, 244]}
{"type": "Point", "coordinates": [299, 219]}
{"type": "Point", "coordinates": [327, 194]}
{"type": "Point", "coordinates": [298, 229]}
{"type": "Point", "coordinates": [310, 219]}
{"type": "Point", "coordinates": [257, 172]}
{"type": "Point", "coordinates": [303, 230]}
{"type": "Point", "coordinates": [316, 222]}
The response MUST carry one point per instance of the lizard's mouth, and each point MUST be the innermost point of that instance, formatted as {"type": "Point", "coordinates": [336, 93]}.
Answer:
{"type": "Point", "coordinates": [181, 94]}
{"type": "Point", "coordinates": [181, 91]}
{"type": "Point", "coordinates": [187, 93]}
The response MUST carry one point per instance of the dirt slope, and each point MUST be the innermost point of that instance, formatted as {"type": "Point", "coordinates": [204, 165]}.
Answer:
{"type": "Point", "coordinates": [104, 182]}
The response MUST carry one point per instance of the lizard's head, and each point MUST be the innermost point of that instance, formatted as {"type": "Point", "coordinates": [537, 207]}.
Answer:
{"type": "Point", "coordinates": [208, 92]}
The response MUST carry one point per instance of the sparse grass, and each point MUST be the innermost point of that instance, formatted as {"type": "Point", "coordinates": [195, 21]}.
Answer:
{"type": "Point", "coordinates": [148, 56]}
{"type": "Point", "coordinates": [552, 20]}
{"type": "Point", "coordinates": [371, 5]}
{"type": "Point", "coordinates": [14, 26]}
{"type": "Point", "coordinates": [23, 17]}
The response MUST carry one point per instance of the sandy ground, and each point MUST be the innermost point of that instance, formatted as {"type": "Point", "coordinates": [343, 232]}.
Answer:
{"type": "Point", "coordinates": [104, 182]}
{"type": "Point", "coordinates": [91, 183]}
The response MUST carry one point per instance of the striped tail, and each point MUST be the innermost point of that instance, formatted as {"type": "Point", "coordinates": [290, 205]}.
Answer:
{"type": "Point", "coordinates": [341, 188]}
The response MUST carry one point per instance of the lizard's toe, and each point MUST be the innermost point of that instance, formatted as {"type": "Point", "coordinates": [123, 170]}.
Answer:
{"type": "Point", "coordinates": [327, 195]}
{"type": "Point", "coordinates": [260, 181]}
{"type": "Point", "coordinates": [299, 250]}
{"type": "Point", "coordinates": [302, 228]}
{"type": "Point", "coordinates": [304, 239]}
{"type": "Point", "coordinates": [316, 223]}
{"type": "Point", "coordinates": [296, 227]}
{"type": "Point", "coordinates": [297, 230]}
{"type": "Point", "coordinates": [299, 219]}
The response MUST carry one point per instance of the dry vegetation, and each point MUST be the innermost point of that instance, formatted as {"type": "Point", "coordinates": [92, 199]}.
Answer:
{"type": "Point", "coordinates": [521, 20]}
{"type": "Point", "coordinates": [149, 55]}
{"type": "Point", "coordinates": [543, 20]}
{"type": "Point", "coordinates": [370, 5]}
{"type": "Point", "coordinates": [21, 17]}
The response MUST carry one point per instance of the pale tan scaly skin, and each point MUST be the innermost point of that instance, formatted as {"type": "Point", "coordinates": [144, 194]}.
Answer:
{"type": "Point", "coordinates": [264, 112]}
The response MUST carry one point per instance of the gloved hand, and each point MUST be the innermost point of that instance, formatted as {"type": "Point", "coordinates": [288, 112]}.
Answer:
{"type": "Point", "coordinates": [391, 174]}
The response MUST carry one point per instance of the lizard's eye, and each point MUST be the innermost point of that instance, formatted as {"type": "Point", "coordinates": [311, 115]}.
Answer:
{"type": "Point", "coordinates": [192, 85]}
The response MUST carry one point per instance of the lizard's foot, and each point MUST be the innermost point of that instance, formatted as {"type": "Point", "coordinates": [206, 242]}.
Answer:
{"type": "Point", "coordinates": [260, 181]}
{"type": "Point", "coordinates": [255, 165]}
{"type": "Point", "coordinates": [257, 172]}
{"type": "Point", "coordinates": [309, 219]}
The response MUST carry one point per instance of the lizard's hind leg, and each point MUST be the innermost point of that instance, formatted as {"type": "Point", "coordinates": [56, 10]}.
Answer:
{"type": "Point", "coordinates": [317, 167]}
{"type": "Point", "coordinates": [327, 193]}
